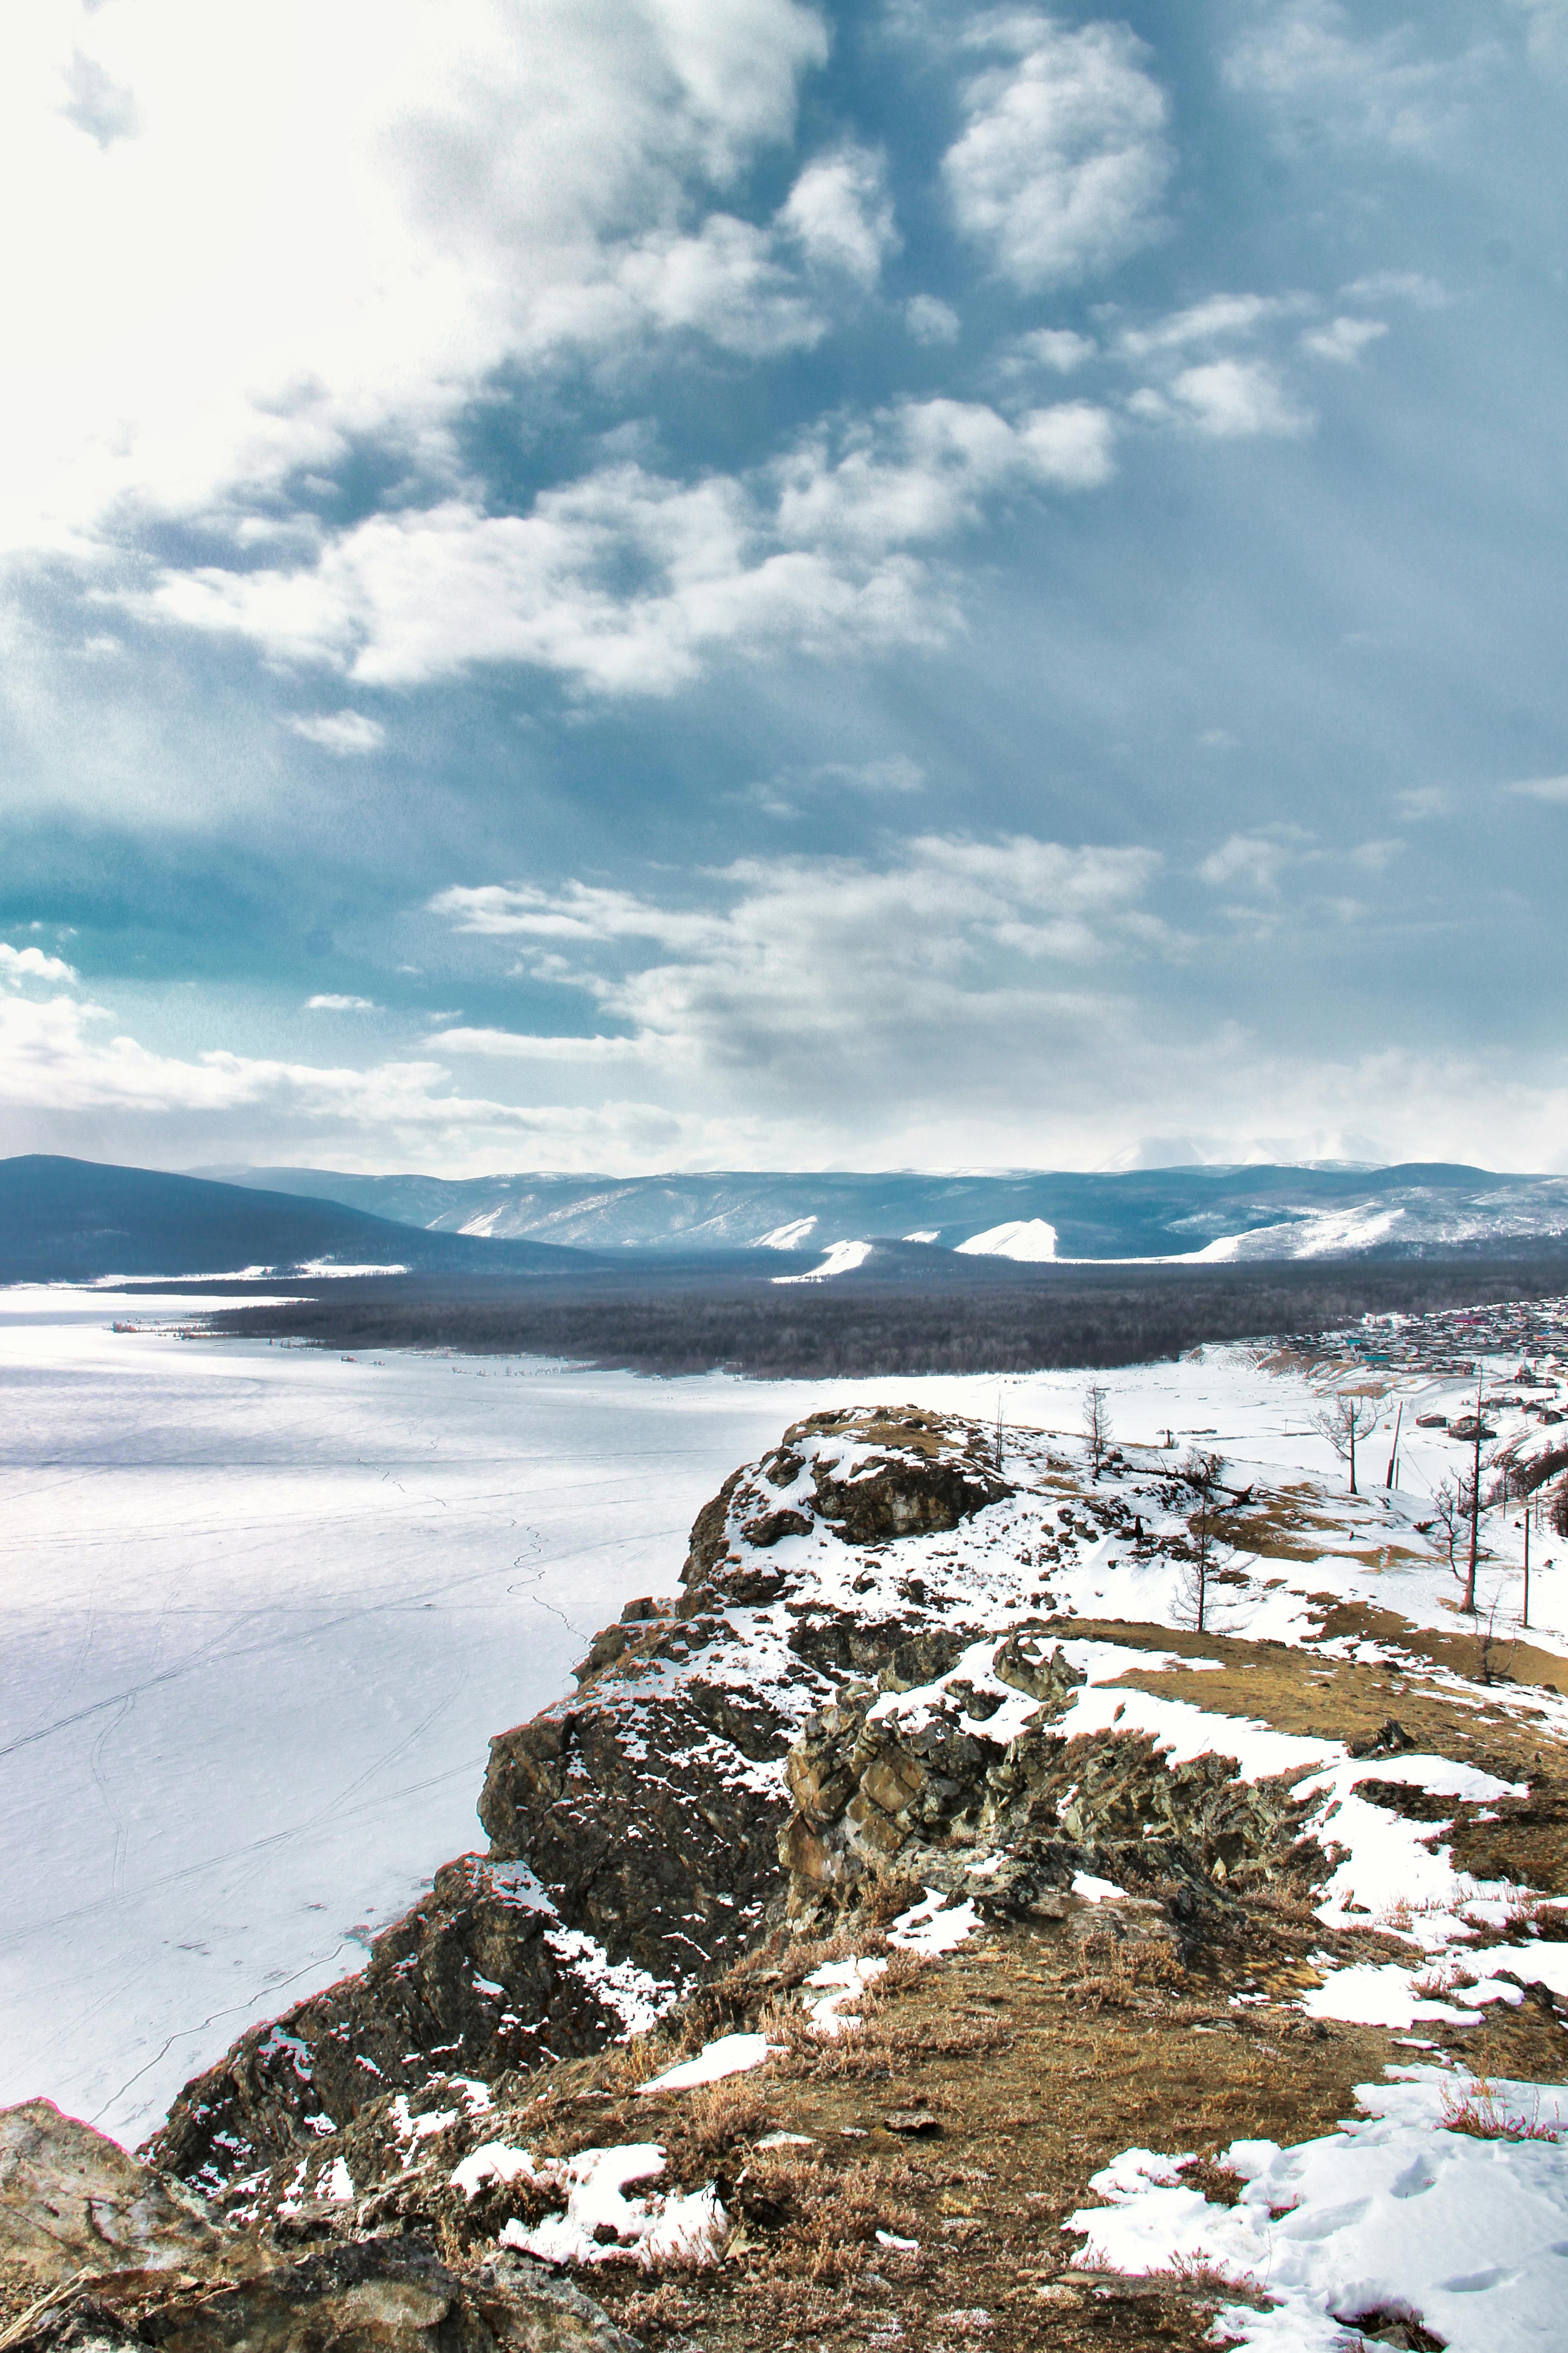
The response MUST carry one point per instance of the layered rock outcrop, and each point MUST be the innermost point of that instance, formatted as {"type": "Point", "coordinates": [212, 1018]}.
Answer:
{"type": "Point", "coordinates": [861, 1681]}
{"type": "Point", "coordinates": [633, 1827]}
{"type": "Point", "coordinates": [101, 2254]}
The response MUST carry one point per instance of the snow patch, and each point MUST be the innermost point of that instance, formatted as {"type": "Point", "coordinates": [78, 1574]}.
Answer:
{"type": "Point", "coordinates": [1394, 2213]}
{"type": "Point", "coordinates": [655, 2228]}
{"type": "Point", "coordinates": [1030, 1239]}
{"type": "Point", "coordinates": [730, 2054]}
{"type": "Point", "coordinates": [842, 1258]}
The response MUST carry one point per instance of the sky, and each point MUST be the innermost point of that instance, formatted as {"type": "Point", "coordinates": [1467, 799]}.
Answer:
{"type": "Point", "coordinates": [637, 584]}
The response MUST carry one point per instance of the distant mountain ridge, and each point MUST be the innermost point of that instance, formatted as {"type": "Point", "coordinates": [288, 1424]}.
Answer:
{"type": "Point", "coordinates": [79, 1220]}
{"type": "Point", "coordinates": [1216, 1213]}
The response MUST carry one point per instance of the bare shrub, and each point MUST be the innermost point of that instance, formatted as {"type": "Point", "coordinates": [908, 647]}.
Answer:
{"type": "Point", "coordinates": [723, 2114]}
{"type": "Point", "coordinates": [889, 1893]}
{"type": "Point", "coordinates": [1479, 2110]}
{"type": "Point", "coordinates": [664, 2307]}
{"type": "Point", "coordinates": [626, 2065]}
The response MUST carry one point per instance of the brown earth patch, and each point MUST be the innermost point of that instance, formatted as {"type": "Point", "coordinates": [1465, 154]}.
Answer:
{"type": "Point", "coordinates": [1461, 1651]}
{"type": "Point", "coordinates": [1302, 1692]}
{"type": "Point", "coordinates": [1036, 2076]}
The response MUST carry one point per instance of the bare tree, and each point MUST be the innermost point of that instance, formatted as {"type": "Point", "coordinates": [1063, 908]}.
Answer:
{"type": "Point", "coordinates": [1096, 1425]}
{"type": "Point", "coordinates": [1202, 1472]}
{"type": "Point", "coordinates": [1450, 1519]}
{"type": "Point", "coordinates": [1456, 1522]}
{"type": "Point", "coordinates": [1346, 1419]}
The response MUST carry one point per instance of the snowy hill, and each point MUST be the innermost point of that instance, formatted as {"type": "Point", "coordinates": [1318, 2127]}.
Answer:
{"type": "Point", "coordinates": [76, 1220]}
{"type": "Point", "coordinates": [1027, 1216]}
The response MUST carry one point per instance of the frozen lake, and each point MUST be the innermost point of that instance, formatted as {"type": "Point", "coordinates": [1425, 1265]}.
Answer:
{"type": "Point", "coordinates": [262, 1608]}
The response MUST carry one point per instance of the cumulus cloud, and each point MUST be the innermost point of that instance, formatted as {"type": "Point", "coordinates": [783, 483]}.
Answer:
{"type": "Point", "coordinates": [105, 109]}
{"type": "Point", "coordinates": [840, 212]}
{"type": "Point", "coordinates": [1546, 23]}
{"type": "Point", "coordinates": [930, 319]}
{"type": "Point", "coordinates": [1399, 286]}
{"type": "Point", "coordinates": [1308, 60]}
{"type": "Point", "coordinates": [1553, 789]}
{"type": "Point", "coordinates": [1053, 347]}
{"type": "Point", "coordinates": [1420, 802]}
{"type": "Point", "coordinates": [242, 292]}
{"type": "Point", "coordinates": [1254, 859]}
{"type": "Point", "coordinates": [347, 732]}
{"type": "Point", "coordinates": [1212, 321]}
{"type": "Point", "coordinates": [825, 1003]}
{"type": "Point", "coordinates": [1063, 161]}
{"type": "Point", "coordinates": [836, 964]}
{"type": "Point", "coordinates": [1230, 398]}
{"type": "Point", "coordinates": [64, 1085]}
{"type": "Point", "coordinates": [626, 582]}
{"type": "Point", "coordinates": [1344, 340]}
{"type": "Point", "coordinates": [326, 1004]}
{"type": "Point", "coordinates": [32, 964]}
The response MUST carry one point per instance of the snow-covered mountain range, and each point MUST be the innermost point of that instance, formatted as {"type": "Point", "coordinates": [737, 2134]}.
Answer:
{"type": "Point", "coordinates": [1030, 1215]}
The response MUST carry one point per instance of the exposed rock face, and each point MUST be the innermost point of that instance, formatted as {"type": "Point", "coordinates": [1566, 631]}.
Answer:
{"type": "Point", "coordinates": [633, 1828]}
{"type": "Point", "coordinates": [69, 2199]}
{"type": "Point", "coordinates": [644, 1832]}
{"type": "Point", "coordinates": [118, 2259]}
{"type": "Point", "coordinates": [873, 1475]}
{"type": "Point", "coordinates": [930, 1796]}
{"type": "Point", "coordinates": [470, 1970]}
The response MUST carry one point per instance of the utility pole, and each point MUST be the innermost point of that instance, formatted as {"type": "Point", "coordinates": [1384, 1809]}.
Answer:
{"type": "Point", "coordinates": [1469, 1599]}
{"type": "Point", "coordinates": [1393, 1457]}
{"type": "Point", "coordinates": [1524, 1523]}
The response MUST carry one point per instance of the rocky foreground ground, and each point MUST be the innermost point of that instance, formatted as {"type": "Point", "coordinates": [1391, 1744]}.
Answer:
{"type": "Point", "coordinates": [920, 1932]}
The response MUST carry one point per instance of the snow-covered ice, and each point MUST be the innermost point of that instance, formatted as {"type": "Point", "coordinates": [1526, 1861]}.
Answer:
{"type": "Point", "coordinates": [263, 1608]}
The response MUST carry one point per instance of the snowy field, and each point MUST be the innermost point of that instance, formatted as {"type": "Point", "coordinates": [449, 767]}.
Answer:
{"type": "Point", "coordinates": [263, 1605]}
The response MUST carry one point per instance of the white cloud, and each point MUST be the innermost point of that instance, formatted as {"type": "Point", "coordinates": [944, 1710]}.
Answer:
{"type": "Point", "coordinates": [1211, 321]}
{"type": "Point", "coordinates": [1307, 59]}
{"type": "Point", "coordinates": [1543, 788]}
{"type": "Point", "coordinates": [930, 321]}
{"type": "Point", "coordinates": [1063, 161]}
{"type": "Point", "coordinates": [897, 774]}
{"type": "Point", "coordinates": [1398, 285]}
{"type": "Point", "coordinates": [626, 582]}
{"type": "Point", "coordinates": [726, 283]}
{"type": "Point", "coordinates": [1547, 22]}
{"type": "Point", "coordinates": [816, 1016]}
{"type": "Point", "coordinates": [389, 204]}
{"type": "Point", "coordinates": [1229, 399]}
{"type": "Point", "coordinates": [840, 212]}
{"type": "Point", "coordinates": [1054, 347]}
{"type": "Point", "coordinates": [835, 964]}
{"type": "Point", "coordinates": [347, 732]}
{"type": "Point", "coordinates": [1419, 802]}
{"type": "Point", "coordinates": [1255, 859]}
{"type": "Point", "coordinates": [341, 1005]}
{"type": "Point", "coordinates": [32, 964]}
{"type": "Point", "coordinates": [97, 103]}
{"type": "Point", "coordinates": [1345, 340]}
{"type": "Point", "coordinates": [517, 1046]}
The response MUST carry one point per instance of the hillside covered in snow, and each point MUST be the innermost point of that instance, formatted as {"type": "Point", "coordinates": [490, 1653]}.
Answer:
{"type": "Point", "coordinates": [1026, 1215]}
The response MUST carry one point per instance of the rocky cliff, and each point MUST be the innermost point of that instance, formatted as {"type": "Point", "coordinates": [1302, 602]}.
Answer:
{"type": "Point", "coordinates": [634, 1828]}
{"type": "Point", "coordinates": [923, 1812]}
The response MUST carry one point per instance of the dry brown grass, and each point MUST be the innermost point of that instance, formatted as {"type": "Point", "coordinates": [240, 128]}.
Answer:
{"type": "Point", "coordinates": [1479, 2111]}
{"type": "Point", "coordinates": [723, 2116]}
{"type": "Point", "coordinates": [626, 2065]}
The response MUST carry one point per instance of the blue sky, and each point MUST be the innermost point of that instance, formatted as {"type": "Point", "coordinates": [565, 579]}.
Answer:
{"type": "Point", "coordinates": [721, 583]}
